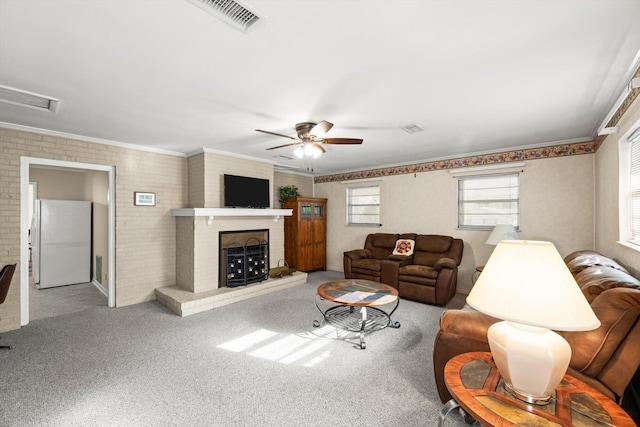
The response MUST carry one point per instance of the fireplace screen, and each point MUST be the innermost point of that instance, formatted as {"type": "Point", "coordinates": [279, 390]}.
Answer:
{"type": "Point", "coordinates": [245, 263]}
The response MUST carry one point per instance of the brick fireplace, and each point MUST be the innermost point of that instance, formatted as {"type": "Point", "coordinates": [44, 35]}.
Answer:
{"type": "Point", "coordinates": [198, 257]}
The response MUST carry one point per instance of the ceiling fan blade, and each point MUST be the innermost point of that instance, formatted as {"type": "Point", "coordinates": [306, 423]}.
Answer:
{"type": "Point", "coordinates": [321, 128]}
{"type": "Point", "coordinates": [285, 145]}
{"type": "Point", "coordinates": [277, 134]}
{"type": "Point", "coordinates": [319, 147]}
{"type": "Point", "coordinates": [342, 141]}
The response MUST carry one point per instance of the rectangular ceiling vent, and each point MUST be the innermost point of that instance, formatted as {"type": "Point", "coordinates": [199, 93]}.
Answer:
{"type": "Point", "coordinates": [23, 98]}
{"type": "Point", "coordinates": [412, 128]}
{"type": "Point", "coordinates": [283, 167]}
{"type": "Point", "coordinates": [231, 12]}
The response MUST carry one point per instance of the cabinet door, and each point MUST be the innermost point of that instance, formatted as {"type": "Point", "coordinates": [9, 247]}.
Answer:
{"type": "Point", "coordinates": [305, 237]}
{"type": "Point", "coordinates": [319, 236]}
{"type": "Point", "coordinates": [306, 210]}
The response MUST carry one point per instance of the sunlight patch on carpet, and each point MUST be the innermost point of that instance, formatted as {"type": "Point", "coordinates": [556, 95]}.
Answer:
{"type": "Point", "coordinates": [286, 349]}
{"type": "Point", "coordinates": [240, 344]}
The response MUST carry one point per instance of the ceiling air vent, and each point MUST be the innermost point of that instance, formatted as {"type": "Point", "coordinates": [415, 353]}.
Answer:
{"type": "Point", "coordinates": [283, 167]}
{"type": "Point", "coordinates": [412, 128]}
{"type": "Point", "coordinates": [231, 12]}
{"type": "Point", "coordinates": [23, 98]}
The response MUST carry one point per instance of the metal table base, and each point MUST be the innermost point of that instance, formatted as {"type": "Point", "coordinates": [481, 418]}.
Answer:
{"type": "Point", "coordinates": [360, 319]}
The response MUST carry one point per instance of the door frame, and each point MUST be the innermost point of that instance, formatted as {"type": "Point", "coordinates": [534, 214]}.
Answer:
{"type": "Point", "coordinates": [25, 164]}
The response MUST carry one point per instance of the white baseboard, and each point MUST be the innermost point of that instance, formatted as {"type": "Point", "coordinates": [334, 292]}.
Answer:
{"type": "Point", "coordinates": [99, 286]}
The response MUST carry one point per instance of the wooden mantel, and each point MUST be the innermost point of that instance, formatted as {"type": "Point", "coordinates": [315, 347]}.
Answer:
{"type": "Point", "coordinates": [211, 213]}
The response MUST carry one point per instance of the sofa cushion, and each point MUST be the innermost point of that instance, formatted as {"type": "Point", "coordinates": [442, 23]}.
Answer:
{"type": "Point", "coordinates": [618, 310]}
{"type": "Point", "coordinates": [421, 274]}
{"type": "Point", "coordinates": [366, 264]}
{"type": "Point", "coordinates": [579, 260]}
{"type": "Point", "coordinates": [381, 244]}
{"type": "Point", "coordinates": [595, 280]}
{"type": "Point", "coordinates": [433, 243]}
{"type": "Point", "coordinates": [404, 247]}
{"type": "Point", "coordinates": [430, 248]}
{"type": "Point", "coordinates": [418, 270]}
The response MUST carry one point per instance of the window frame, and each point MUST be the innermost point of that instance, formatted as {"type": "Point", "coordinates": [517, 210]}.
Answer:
{"type": "Point", "coordinates": [349, 205]}
{"type": "Point", "coordinates": [460, 201]}
{"type": "Point", "coordinates": [626, 171]}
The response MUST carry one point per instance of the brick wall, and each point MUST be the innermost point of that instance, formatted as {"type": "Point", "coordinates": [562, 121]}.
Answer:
{"type": "Point", "coordinates": [145, 236]}
{"type": "Point", "coordinates": [304, 184]}
{"type": "Point", "coordinates": [216, 165]}
{"type": "Point", "coordinates": [197, 185]}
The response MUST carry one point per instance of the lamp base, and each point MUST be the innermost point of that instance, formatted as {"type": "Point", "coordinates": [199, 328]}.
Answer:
{"type": "Point", "coordinates": [533, 400]}
{"type": "Point", "coordinates": [531, 360]}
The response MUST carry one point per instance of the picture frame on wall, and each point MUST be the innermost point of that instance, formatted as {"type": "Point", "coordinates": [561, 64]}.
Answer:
{"type": "Point", "coordinates": [144, 198]}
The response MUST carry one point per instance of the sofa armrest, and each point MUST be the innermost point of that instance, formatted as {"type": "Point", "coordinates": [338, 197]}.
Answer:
{"type": "Point", "coordinates": [467, 323]}
{"type": "Point", "coordinates": [350, 256]}
{"type": "Point", "coordinates": [402, 260]}
{"type": "Point", "coordinates": [358, 254]}
{"type": "Point", "coordinates": [389, 269]}
{"type": "Point", "coordinates": [461, 331]}
{"type": "Point", "coordinates": [445, 263]}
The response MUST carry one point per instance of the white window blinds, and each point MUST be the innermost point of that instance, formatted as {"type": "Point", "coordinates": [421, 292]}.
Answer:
{"type": "Point", "coordinates": [487, 200]}
{"type": "Point", "coordinates": [363, 205]}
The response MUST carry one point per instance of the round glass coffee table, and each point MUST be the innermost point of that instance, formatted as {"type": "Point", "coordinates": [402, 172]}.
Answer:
{"type": "Point", "coordinates": [344, 296]}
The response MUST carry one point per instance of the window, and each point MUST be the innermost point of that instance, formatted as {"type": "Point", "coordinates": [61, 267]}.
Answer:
{"type": "Point", "coordinates": [634, 183]}
{"type": "Point", "coordinates": [487, 200]}
{"type": "Point", "coordinates": [629, 197]}
{"type": "Point", "coordinates": [363, 205]}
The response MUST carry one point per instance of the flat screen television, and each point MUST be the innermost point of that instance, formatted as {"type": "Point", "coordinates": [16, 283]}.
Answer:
{"type": "Point", "coordinates": [245, 192]}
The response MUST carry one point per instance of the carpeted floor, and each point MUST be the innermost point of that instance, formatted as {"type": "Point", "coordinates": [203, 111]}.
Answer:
{"type": "Point", "coordinates": [259, 362]}
{"type": "Point", "coordinates": [53, 302]}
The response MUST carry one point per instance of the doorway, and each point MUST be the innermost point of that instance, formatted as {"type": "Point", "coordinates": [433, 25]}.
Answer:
{"type": "Point", "coordinates": [105, 218]}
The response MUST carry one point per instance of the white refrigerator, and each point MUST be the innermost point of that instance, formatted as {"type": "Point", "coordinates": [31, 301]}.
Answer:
{"type": "Point", "coordinates": [61, 243]}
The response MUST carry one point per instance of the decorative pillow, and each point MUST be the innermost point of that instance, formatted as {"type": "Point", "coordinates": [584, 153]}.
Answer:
{"type": "Point", "coordinates": [404, 247]}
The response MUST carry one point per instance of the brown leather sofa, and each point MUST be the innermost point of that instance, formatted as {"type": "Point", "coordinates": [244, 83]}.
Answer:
{"type": "Point", "coordinates": [605, 358]}
{"type": "Point", "coordinates": [429, 275]}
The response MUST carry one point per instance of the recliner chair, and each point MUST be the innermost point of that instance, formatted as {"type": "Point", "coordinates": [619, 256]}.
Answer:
{"type": "Point", "coordinates": [605, 358]}
{"type": "Point", "coordinates": [5, 281]}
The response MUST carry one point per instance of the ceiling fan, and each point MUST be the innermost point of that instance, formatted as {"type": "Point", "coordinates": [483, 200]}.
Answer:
{"type": "Point", "coordinates": [310, 138]}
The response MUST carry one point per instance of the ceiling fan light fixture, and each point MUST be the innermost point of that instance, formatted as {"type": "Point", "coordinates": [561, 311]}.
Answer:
{"type": "Point", "coordinates": [308, 150]}
{"type": "Point", "coordinates": [308, 143]}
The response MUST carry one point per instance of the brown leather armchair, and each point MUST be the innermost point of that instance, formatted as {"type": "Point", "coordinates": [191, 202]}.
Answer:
{"type": "Point", "coordinates": [605, 358]}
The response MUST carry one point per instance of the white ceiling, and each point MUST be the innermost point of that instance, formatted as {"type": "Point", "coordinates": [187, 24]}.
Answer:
{"type": "Point", "coordinates": [479, 76]}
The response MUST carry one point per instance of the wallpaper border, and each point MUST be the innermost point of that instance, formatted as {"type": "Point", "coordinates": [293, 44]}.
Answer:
{"type": "Point", "coordinates": [559, 150]}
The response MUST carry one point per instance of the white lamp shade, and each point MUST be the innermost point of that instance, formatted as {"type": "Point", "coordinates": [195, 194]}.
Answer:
{"type": "Point", "coordinates": [528, 282]}
{"type": "Point", "coordinates": [502, 232]}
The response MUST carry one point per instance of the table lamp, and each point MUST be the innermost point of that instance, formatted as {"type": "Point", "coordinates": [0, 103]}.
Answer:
{"type": "Point", "coordinates": [528, 286]}
{"type": "Point", "coordinates": [502, 232]}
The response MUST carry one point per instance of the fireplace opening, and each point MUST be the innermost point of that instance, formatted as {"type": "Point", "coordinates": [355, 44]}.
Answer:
{"type": "Point", "coordinates": [244, 257]}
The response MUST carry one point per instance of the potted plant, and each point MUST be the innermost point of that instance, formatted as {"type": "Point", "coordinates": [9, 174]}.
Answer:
{"type": "Point", "coordinates": [287, 191]}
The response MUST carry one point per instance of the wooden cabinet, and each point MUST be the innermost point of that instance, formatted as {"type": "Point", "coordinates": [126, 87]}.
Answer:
{"type": "Point", "coordinates": [305, 233]}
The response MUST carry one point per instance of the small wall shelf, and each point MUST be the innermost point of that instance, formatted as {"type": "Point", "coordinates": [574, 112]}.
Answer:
{"type": "Point", "coordinates": [211, 213]}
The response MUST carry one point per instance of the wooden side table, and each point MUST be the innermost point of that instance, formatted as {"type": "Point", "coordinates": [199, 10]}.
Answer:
{"type": "Point", "coordinates": [476, 274]}
{"type": "Point", "coordinates": [475, 383]}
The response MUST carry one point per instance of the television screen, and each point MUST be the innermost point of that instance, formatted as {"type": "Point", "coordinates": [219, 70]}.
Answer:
{"type": "Point", "coordinates": [245, 192]}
